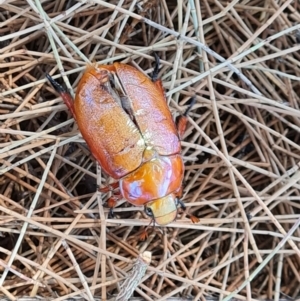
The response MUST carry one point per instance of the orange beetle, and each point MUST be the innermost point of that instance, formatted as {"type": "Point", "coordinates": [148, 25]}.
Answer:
{"type": "Point", "coordinates": [125, 120]}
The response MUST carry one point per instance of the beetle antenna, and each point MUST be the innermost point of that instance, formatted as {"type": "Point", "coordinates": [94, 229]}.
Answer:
{"type": "Point", "coordinates": [192, 102]}
{"type": "Point", "coordinates": [156, 67]}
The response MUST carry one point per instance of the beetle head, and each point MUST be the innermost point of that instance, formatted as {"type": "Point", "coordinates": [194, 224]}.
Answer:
{"type": "Point", "coordinates": [163, 210]}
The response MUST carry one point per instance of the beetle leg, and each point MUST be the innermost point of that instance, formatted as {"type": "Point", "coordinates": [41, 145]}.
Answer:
{"type": "Point", "coordinates": [193, 218]}
{"type": "Point", "coordinates": [144, 235]}
{"type": "Point", "coordinates": [182, 205]}
{"type": "Point", "coordinates": [109, 187]}
{"type": "Point", "coordinates": [156, 67]}
{"type": "Point", "coordinates": [111, 213]}
{"type": "Point", "coordinates": [65, 95]}
{"type": "Point", "coordinates": [182, 121]}
{"type": "Point", "coordinates": [154, 78]}
{"type": "Point", "coordinates": [112, 202]}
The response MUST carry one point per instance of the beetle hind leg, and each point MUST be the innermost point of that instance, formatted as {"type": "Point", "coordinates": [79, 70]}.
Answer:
{"type": "Point", "coordinates": [156, 67]}
{"type": "Point", "coordinates": [65, 95]}
{"type": "Point", "coordinates": [182, 121]}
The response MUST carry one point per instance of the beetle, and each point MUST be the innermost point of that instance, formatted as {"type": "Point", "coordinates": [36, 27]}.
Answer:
{"type": "Point", "coordinates": [125, 120]}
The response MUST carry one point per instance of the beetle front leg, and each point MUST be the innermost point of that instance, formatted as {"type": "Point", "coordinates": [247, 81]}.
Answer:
{"type": "Point", "coordinates": [182, 121]}
{"type": "Point", "coordinates": [111, 203]}
{"type": "Point", "coordinates": [144, 235]}
{"type": "Point", "coordinates": [193, 218]}
{"type": "Point", "coordinates": [65, 95]}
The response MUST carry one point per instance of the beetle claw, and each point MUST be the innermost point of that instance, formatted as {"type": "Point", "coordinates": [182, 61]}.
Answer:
{"type": "Point", "coordinates": [58, 88]}
{"type": "Point", "coordinates": [192, 102]}
{"type": "Point", "coordinates": [111, 213]}
{"type": "Point", "coordinates": [144, 235]}
{"type": "Point", "coordinates": [156, 67]}
{"type": "Point", "coordinates": [193, 218]}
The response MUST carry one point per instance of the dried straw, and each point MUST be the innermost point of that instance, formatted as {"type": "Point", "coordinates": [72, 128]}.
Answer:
{"type": "Point", "coordinates": [240, 59]}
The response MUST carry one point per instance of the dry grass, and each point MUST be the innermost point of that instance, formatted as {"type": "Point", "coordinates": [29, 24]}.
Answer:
{"type": "Point", "coordinates": [241, 150]}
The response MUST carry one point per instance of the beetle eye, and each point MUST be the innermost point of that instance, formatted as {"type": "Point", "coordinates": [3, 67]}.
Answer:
{"type": "Point", "coordinates": [148, 211]}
